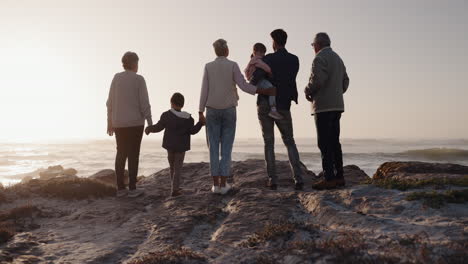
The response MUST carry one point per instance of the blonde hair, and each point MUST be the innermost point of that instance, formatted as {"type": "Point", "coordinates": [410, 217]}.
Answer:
{"type": "Point", "coordinates": [129, 59]}
{"type": "Point", "coordinates": [220, 46]}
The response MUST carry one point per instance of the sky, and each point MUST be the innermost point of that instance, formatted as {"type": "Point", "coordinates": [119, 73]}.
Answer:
{"type": "Point", "coordinates": [407, 61]}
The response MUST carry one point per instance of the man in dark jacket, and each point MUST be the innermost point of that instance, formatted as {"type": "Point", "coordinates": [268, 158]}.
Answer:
{"type": "Point", "coordinates": [178, 126]}
{"type": "Point", "coordinates": [328, 82]}
{"type": "Point", "coordinates": [284, 67]}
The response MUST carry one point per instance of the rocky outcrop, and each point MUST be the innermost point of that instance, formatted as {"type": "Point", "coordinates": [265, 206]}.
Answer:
{"type": "Point", "coordinates": [251, 224]}
{"type": "Point", "coordinates": [108, 177]}
{"type": "Point", "coordinates": [56, 171]}
{"type": "Point", "coordinates": [420, 170]}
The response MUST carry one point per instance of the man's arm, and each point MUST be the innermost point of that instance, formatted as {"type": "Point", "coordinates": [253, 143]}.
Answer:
{"type": "Point", "coordinates": [145, 107]}
{"type": "Point", "coordinates": [318, 77]}
{"type": "Point", "coordinates": [204, 92]}
{"type": "Point", "coordinates": [262, 65]}
{"type": "Point", "coordinates": [345, 81]}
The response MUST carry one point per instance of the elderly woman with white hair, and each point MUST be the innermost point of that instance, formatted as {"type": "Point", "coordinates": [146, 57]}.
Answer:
{"type": "Point", "coordinates": [219, 97]}
{"type": "Point", "coordinates": [127, 109]}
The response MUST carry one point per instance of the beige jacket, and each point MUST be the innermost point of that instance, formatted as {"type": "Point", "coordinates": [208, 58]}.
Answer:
{"type": "Point", "coordinates": [219, 84]}
{"type": "Point", "coordinates": [128, 103]}
{"type": "Point", "coordinates": [328, 82]}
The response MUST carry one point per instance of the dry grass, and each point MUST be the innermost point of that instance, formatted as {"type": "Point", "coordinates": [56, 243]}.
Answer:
{"type": "Point", "coordinates": [15, 220]}
{"type": "Point", "coordinates": [438, 200]}
{"type": "Point", "coordinates": [405, 184]}
{"type": "Point", "coordinates": [171, 256]}
{"type": "Point", "coordinates": [64, 188]}
{"type": "Point", "coordinates": [270, 232]}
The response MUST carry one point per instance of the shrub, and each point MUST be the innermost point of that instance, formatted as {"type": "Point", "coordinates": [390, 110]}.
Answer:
{"type": "Point", "coordinates": [270, 232]}
{"type": "Point", "coordinates": [437, 200]}
{"type": "Point", "coordinates": [405, 184]}
{"type": "Point", "coordinates": [65, 188]}
{"type": "Point", "coordinates": [171, 256]}
{"type": "Point", "coordinates": [25, 211]}
{"type": "Point", "coordinates": [10, 220]}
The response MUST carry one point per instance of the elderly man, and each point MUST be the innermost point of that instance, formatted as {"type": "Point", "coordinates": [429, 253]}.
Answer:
{"type": "Point", "coordinates": [219, 97]}
{"type": "Point", "coordinates": [284, 67]}
{"type": "Point", "coordinates": [328, 82]}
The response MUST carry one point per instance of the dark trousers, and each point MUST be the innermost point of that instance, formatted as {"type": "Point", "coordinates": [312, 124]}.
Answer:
{"type": "Point", "coordinates": [328, 137]}
{"type": "Point", "coordinates": [176, 161]}
{"type": "Point", "coordinates": [286, 129]}
{"type": "Point", "coordinates": [128, 147]}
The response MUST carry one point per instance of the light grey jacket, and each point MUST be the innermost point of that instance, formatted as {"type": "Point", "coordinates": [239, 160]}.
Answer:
{"type": "Point", "coordinates": [128, 103]}
{"type": "Point", "coordinates": [328, 82]}
{"type": "Point", "coordinates": [219, 84]}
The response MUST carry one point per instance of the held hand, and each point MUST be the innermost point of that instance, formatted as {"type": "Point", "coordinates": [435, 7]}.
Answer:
{"type": "Point", "coordinates": [147, 131]}
{"type": "Point", "coordinates": [110, 130]}
{"type": "Point", "coordinates": [308, 94]}
{"type": "Point", "coordinates": [201, 118]}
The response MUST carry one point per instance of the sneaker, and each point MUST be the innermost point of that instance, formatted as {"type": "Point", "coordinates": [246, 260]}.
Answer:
{"type": "Point", "coordinates": [121, 193]}
{"type": "Point", "coordinates": [225, 189]}
{"type": "Point", "coordinates": [215, 189]}
{"type": "Point", "coordinates": [325, 185]}
{"type": "Point", "coordinates": [135, 193]}
{"type": "Point", "coordinates": [275, 115]}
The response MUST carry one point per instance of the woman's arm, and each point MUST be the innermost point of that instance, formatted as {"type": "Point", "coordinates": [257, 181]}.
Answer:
{"type": "Point", "coordinates": [204, 92]}
{"type": "Point", "coordinates": [145, 106]}
{"type": "Point", "coordinates": [110, 130]}
{"type": "Point", "coordinates": [241, 82]}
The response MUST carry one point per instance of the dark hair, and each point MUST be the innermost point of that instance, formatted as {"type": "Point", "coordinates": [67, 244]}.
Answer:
{"type": "Point", "coordinates": [279, 36]}
{"type": "Point", "coordinates": [129, 59]}
{"type": "Point", "coordinates": [178, 99]}
{"type": "Point", "coordinates": [259, 47]}
{"type": "Point", "coordinates": [322, 39]}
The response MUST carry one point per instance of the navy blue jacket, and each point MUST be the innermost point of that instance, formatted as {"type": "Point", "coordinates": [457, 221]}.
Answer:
{"type": "Point", "coordinates": [284, 67]}
{"type": "Point", "coordinates": [177, 131]}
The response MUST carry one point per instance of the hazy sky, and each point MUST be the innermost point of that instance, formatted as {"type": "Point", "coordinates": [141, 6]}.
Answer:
{"type": "Point", "coordinates": [407, 61]}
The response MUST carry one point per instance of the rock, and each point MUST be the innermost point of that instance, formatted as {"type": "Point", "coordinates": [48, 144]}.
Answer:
{"type": "Point", "coordinates": [352, 174]}
{"type": "Point", "coordinates": [70, 172]}
{"type": "Point", "coordinates": [420, 170]}
{"type": "Point", "coordinates": [55, 171]}
{"type": "Point", "coordinates": [251, 224]}
{"type": "Point", "coordinates": [51, 172]}
{"type": "Point", "coordinates": [108, 177]}
{"type": "Point", "coordinates": [26, 179]}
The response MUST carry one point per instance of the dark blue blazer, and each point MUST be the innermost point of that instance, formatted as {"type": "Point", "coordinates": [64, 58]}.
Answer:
{"type": "Point", "coordinates": [284, 67]}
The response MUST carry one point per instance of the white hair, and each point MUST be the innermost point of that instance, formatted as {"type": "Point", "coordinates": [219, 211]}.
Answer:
{"type": "Point", "coordinates": [220, 46]}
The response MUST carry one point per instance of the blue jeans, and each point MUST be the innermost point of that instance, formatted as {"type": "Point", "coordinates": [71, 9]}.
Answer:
{"type": "Point", "coordinates": [265, 84]}
{"type": "Point", "coordinates": [220, 132]}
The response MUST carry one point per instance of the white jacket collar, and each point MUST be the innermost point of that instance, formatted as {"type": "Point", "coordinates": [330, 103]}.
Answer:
{"type": "Point", "coordinates": [181, 114]}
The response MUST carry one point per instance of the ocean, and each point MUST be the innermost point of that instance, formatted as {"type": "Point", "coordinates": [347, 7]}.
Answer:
{"type": "Point", "coordinates": [90, 156]}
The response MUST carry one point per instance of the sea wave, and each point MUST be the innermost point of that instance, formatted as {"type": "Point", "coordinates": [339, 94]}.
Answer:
{"type": "Point", "coordinates": [438, 153]}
